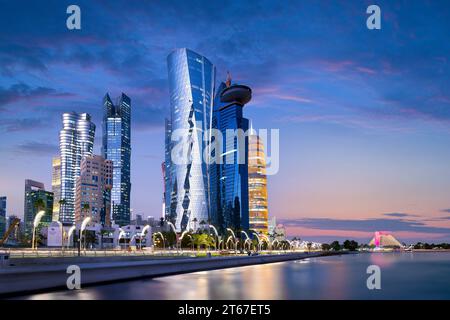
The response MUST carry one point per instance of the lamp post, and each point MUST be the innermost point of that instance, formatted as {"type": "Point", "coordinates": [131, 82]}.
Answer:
{"type": "Point", "coordinates": [71, 230]}
{"type": "Point", "coordinates": [247, 238]}
{"type": "Point", "coordinates": [234, 239]}
{"type": "Point", "coordinates": [143, 234]}
{"type": "Point", "coordinates": [62, 235]}
{"type": "Point", "coordinates": [83, 227]}
{"type": "Point", "coordinates": [216, 233]}
{"type": "Point", "coordinates": [36, 221]}
{"type": "Point", "coordinates": [259, 241]}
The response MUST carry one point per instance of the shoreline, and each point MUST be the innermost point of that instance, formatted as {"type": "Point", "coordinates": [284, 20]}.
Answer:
{"type": "Point", "coordinates": [23, 280]}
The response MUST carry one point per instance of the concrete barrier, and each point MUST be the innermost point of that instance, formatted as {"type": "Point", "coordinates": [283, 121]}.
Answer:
{"type": "Point", "coordinates": [36, 278]}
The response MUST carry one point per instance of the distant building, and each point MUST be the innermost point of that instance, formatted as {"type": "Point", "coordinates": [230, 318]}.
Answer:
{"type": "Point", "coordinates": [2, 216]}
{"type": "Point", "coordinates": [383, 239]}
{"type": "Point", "coordinates": [279, 233]}
{"type": "Point", "coordinates": [257, 185]}
{"type": "Point", "coordinates": [76, 140]}
{"type": "Point", "coordinates": [37, 199]}
{"type": "Point", "coordinates": [56, 186]}
{"type": "Point", "coordinates": [116, 147]}
{"type": "Point", "coordinates": [93, 190]}
{"type": "Point", "coordinates": [272, 225]}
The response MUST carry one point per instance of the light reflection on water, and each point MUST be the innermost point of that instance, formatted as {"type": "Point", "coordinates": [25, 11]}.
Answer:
{"type": "Point", "coordinates": [404, 276]}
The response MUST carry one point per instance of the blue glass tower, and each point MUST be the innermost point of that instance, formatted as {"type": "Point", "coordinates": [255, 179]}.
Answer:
{"type": "Point", "coordinates": [191, 86]}
{"type": "Point", "coordinates": [2, 216]}
{"type": "Point", "coordinates": [229, 173]}
{"type": "Point", "coordinates": [117, 148]}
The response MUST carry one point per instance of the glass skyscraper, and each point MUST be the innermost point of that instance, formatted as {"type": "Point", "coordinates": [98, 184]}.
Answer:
{"type": "Point", "coordinates": [56, 186]}
{"type": "Point", "coordinates": [36, 199]}
{"type": "Point", "coordinates": [191, 86]}
{"type": "Point", "coordinates": [229, 173]}
{"type": "Point", "coordinates": [2, 216]}
{"type": "Point", "coordinates": [76, 140]}
{"type": "Point", "coordinates": [117, 148]}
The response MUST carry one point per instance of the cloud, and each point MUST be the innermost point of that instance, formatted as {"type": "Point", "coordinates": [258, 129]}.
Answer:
{"type": "Point", "coordinates": [399, 215]}
{"type": "Point", "coordinates": [36, 148]}
{"type": "Point", "coordinates": [21, 91]}
{"type": "Point", "coordinates": [19, 125]}
{"type": "Point", "coordinates": [365, 225]}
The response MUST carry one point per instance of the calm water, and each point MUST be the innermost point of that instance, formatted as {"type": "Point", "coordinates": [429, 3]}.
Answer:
{"type": "Point", "coordinates": [403, 276]}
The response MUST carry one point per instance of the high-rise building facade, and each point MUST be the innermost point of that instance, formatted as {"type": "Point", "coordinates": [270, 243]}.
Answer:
{"type": "Point", "coordinates": [37, 199]}
{"type": "Point", "coordinates": [76, 140]}
{"type": "Point", "coordinates": [93, 190]}
{"type": "Point", "coordinates": [257, 185]}
{"type": "Point", "coordinates": [28, 210]}
{"type": "Point", "coordinates": [229, 170]}
{"type": "Point", "coordinates": [117, 148]}
{"type": "Point", "coordinates": [167, 170]}
{"type": "Point", "coordinates": [2, 216]}
{"type": "Point", "coordinates": [191, 87]}
{"type": "Point", "coordinates": [56, 186]}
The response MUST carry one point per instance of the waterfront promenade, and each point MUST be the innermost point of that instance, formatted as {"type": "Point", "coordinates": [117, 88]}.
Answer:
{"type": "Point", "coordinates": [40, 274]}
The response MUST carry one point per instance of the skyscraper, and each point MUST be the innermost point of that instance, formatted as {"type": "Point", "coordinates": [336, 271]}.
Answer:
{"type": "Point", "coordinates": [30, 185]}
{"type": "Point", "coordinates": [56, 186]}
{"type": "Point", "coordinates": [117, 148]}
{"type": "Point", "coordinates": [76, 140]}
{"type": "Point", "coordinates": [2, 216]}
{"type": "Point", "coordinates": [167, 170]}
{"type": "Point", "coordinates": [37, 199]}
{"type": "Point", "coordinates": [229, 172]}
{"type": "Point", "coordinates": [93, 195]}
{"type": "Point", "coordinates": [257, 185]}
{"type": "Point", "coordinates": [191, 86]}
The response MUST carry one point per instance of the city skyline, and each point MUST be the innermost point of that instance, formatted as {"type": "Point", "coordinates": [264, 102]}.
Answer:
{"type": "Point", "coordinates": [364, 137]}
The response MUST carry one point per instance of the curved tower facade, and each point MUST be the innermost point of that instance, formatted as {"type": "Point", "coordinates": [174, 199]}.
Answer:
{"type": "Point", "coordinates": [76, 140]}
{"type": "Point", "coordinates": [191, 86]}
{"type": "Point", "coordinates": [257, 184]}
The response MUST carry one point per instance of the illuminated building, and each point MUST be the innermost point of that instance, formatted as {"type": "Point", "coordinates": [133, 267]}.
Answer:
{"type": "Point", "coordinates": [383, 239]}
{"type": "Point", "coordinates": [117, 148]}
{"type": "Point", "coordinates": [229, 171]}
{"type": "Point", "coordinates": [257, 184]}
{"type": "Point", "coordinates": [191, 88]}
{"type": "Point", "coordinates": [56, 186]}
{"type": "Point", "coordinates": [93, 190]}
{"type": "Point", "coordinates": [76, 140]}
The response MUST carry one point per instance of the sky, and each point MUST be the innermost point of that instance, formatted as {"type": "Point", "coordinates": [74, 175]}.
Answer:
{"type": "Point", "coordinates": [364, 115]}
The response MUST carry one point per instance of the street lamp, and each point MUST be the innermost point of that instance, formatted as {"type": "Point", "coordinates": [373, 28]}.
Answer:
{"type": "Point", "coordinates": [247, 238]}
{"type": "Point", "coordinates": [259, 241]}
{"type": "Point", "coordinates": [83, 227]}
{"type": "Point", "coordinates": [71, 230]}
{"type": "Point", "coordinates": [162, 237]}
{"type": "Point", "coordinates": [217, 234]}
{"type": "Point", "coordinates": [143, 234]}
{"type": "Point", "coordinates": [62, 234]}
{"type": "Point", "coordinates": [36, 221]}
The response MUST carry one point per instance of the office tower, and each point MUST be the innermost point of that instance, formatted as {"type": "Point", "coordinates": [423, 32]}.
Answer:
{"type": "Point", "coordinates": [93, 190]}
{"type": "Point", "coordinates": [30, 185]}
{"type": "Point", "coordinates": [2, 216]}
{"type": "Point", "coordinates": [56, 186]}
{"type": "Point", "coordinates": [257, 185]}
{"type": "Point", "coordinates": [191, 87]}
{"type": "Point", "coordinates": [229, 171]}
{"type": "Point", "coordinates": [37, 199]}
{"type": "Point", "coordinates": [76, 140]}
{"type": "Point", "coordinates": [167, 170]}
{"type": "Point", "coordinates": [117, 148]}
